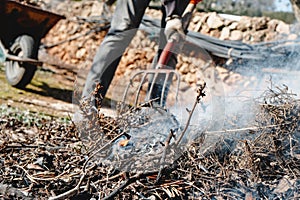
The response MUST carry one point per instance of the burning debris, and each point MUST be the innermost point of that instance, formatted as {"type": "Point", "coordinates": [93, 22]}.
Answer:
{"type": "Point", "coordinates": [141, 139]}
{"type": "Point", "coordinates": [43, 158]}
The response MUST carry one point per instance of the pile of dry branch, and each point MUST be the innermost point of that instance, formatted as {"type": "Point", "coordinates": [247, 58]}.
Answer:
{"type": "Point", "coordinates": [42, 157]}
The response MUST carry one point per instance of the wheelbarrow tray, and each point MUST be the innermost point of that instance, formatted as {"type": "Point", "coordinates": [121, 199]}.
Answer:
{"type": "Point", "coordinates": [18, 19]}
{"type": "Point", "coordinates": [22, 28]}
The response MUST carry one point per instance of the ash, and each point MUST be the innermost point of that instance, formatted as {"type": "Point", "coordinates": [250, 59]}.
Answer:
{"type": "Point", "coordinates": [141, 148]}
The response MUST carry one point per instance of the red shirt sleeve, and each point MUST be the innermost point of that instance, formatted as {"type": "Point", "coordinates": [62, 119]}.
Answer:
{"type": "Point", "coordinates": [174, 7]}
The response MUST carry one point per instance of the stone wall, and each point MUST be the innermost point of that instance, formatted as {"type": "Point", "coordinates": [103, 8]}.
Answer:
{"type": "Point", "coordinates": [80, 51]}
{"type": "Point", "coordinates": [246, 29]}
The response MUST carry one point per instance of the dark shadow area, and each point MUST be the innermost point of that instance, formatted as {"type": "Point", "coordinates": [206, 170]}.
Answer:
{"type": "Point", "coordinates": [59, 94]}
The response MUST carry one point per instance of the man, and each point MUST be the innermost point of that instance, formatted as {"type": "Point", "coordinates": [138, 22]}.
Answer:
{"type": "Point", "coordinates": [125, 22]}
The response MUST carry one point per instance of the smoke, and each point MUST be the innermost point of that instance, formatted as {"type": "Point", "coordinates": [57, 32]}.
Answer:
{"type": "Point", "coordinates": [238, 105]}
{"type": "Point", "coordinates": [280, 71]}
{"type": "Point", "coordinates": [225, 106]}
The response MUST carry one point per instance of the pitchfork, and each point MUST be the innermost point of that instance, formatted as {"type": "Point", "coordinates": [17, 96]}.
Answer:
{"type": "Point", "coordinates": [160, 77]}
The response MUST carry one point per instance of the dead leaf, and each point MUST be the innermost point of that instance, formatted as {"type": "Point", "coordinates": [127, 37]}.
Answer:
{"type": "Point", "coordinates": [284, 185]}
{"type": "Point", "coordinates": [34, 167]}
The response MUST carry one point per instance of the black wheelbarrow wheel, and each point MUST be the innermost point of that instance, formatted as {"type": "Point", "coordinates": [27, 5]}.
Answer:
{"type": "Point", "coordinates": [19, 74]}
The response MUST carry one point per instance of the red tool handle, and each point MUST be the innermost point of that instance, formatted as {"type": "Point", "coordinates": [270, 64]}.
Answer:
{"type": "Point", "coordinates": [166, 54]}
{"type": "Point", "coordinates": [172, 44]}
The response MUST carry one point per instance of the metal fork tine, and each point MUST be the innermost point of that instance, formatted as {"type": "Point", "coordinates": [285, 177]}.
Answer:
{"type": "Point", "coordinates": [139, 89]}
{"type": "Point", "coordinates": [164, 88]}
{"type": "Point", "coordinates": [155, 73]}
{"type": "Point", "coordinates": [130, 84]}
{"type": "Point", "coordinates": [178, 84]}
{"type": "Point", "coordinates": [152, 85]}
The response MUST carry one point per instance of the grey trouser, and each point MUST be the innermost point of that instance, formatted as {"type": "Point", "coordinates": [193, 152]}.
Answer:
{"type": "Point", "coordinates": [124, 25]}
{"type": "Point", "coordinates": [125, 22]}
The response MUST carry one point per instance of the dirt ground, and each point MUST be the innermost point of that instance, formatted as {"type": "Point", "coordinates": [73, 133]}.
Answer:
{"type": "Point", "coordinates": [52, 90]}
{"type": "Point", "coordinates": [42, 158]}
{"type": "Point", "coordinates": [49, 92]}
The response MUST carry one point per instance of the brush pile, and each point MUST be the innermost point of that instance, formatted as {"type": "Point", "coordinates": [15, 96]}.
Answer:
{"type": "Point", "coordinates": [49, 158]}
{"type": "Point", "coordinates": [43, 157]}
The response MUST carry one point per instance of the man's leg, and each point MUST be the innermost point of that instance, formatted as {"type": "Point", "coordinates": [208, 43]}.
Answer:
{"type": "Point", "coordinates": [126, 19]}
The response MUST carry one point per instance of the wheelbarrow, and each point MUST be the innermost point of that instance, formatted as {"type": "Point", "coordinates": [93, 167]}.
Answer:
{"type": "Point", "coordinates": [22, 28]}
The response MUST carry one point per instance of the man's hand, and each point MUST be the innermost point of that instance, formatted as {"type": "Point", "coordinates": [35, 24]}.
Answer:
{"type": "Point", "coordinates": [174, 25]}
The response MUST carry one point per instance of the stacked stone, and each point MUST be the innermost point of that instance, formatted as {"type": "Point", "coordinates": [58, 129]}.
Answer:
{"type": "Point", "coordinates": [78, 49]}
{"type": "Point", "coordinates": [242, 28]}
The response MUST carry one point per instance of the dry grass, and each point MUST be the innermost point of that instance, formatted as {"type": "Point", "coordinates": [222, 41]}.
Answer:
{"type": "Point", "coordinates": [46, 158]}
